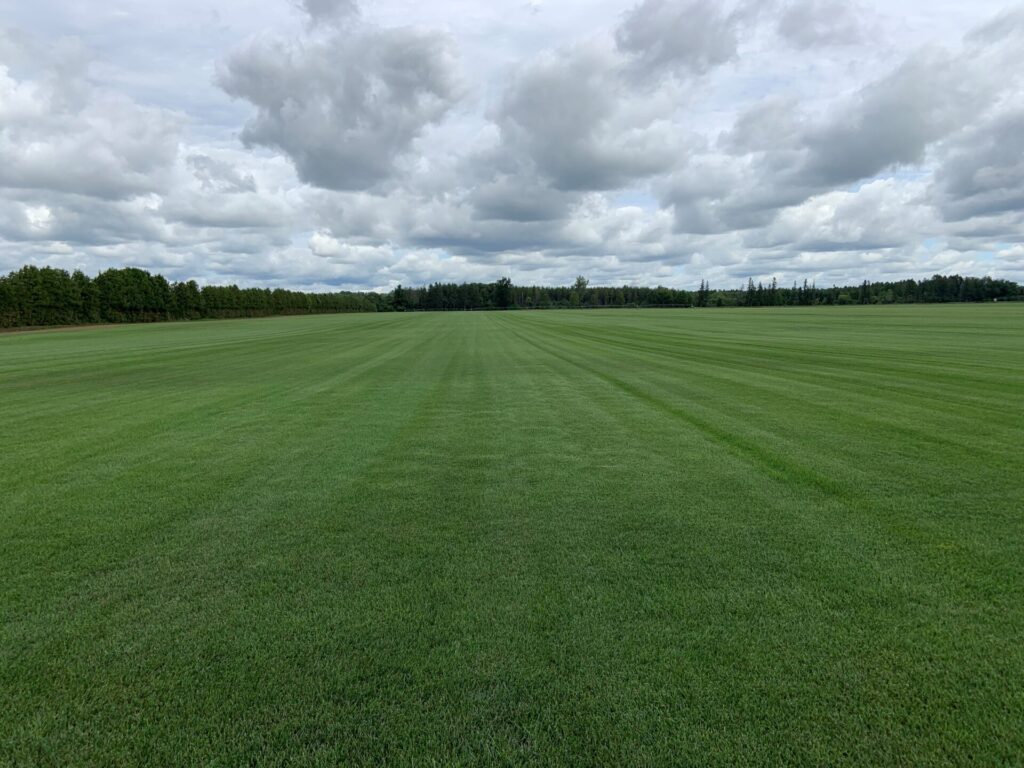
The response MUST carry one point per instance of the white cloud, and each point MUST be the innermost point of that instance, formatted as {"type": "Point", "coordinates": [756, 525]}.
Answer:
{"type": "Point", "coordinates": [59, 132]}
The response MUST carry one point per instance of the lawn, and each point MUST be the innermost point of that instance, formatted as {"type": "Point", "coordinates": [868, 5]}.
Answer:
{"type": "Point", "coordinates": [716, 537]}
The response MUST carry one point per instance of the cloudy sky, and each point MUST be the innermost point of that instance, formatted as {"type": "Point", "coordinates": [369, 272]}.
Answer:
{"type": "Point", "coordinates": [330, 143]}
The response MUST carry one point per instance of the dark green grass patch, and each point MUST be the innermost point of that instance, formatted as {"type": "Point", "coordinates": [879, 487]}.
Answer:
{"type": "Point", "coordinates": [751, 537]}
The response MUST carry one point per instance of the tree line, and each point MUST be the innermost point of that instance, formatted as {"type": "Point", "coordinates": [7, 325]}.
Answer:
{"type": "Point", "coordinates": [40, 296]}
{"type": "Point", "coordinates": [504, 295]}
{"type": "Point", "coordinates": [937, 289]}
{"type": "Point", "coordinates": [34, 296]}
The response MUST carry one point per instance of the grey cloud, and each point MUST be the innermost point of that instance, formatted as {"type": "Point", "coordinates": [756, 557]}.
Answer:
{"type": "Point", "coordinates": [982, 173]}
{"type": "Point", "coordinates": [330, 10]}
{"type": "Point", "coordinates": [81, 220]}
{"type": "Point", "coordinates": [15, 48]}
{"type": "Point", "coordinates": [777, 156]}
{"type": "Point", "coordinates": [592, 228]}
{"type": "Point", "coordinates": [483, 240]}
{"type": "Point", "coordinates": [227, 211]}
{"type": "Point", "coordinates": [515, 199]}
{"type": "Point", "coordinates": [770, 125]}
{"type": "Point", "coordinates": [692, 36]}
{"type": "Point", "coordinates": [881, 215]}
{"type": "Point", "coordinates": [217, 175]}
{"type": "Point", "coordinates": [180, 217]}
{"type": "Point", "coordinates": [357, 216]}
{"type": "Point", "coordinates": [1008, 24]}
{"type": "Point", "coordinates": [988, 233]}
{"type": "Point", "coordinates": [344, 109]}
{"type": "Point", "coordinates": [810, 23]}
{"type": "Point", "coordinates": [717, 193]}
{"type": "Point", "coordinates": [570, 118]}
{"type": "Point", "coordinates": [59, 132]}
{"type": "Point", "coordinates": [892, 121]}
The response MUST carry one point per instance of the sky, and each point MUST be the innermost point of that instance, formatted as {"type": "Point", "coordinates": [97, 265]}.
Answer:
{"type": "Point", "coordinates": [362, 144]}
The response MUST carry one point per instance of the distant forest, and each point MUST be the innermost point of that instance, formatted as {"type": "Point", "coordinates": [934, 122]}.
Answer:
{"type": "Point", "coordinates": [34, 296]}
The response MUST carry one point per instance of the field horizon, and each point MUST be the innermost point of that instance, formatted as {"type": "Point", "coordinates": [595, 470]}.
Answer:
{"type": "Point", "coordinates": [788, 535]}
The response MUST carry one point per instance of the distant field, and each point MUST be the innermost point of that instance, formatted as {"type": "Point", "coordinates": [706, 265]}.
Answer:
{"type": "Point", "coordinates": [725, 537]}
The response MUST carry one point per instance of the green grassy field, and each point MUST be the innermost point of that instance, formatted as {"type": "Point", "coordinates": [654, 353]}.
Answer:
{"type": "Point", "coordinates": [731, 537]}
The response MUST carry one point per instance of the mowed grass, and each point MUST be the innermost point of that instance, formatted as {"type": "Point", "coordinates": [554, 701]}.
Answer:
{"type": "Point", "coordinates": [717, 537]}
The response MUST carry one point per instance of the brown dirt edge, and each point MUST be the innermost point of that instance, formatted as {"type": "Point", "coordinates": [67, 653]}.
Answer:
{"type": "Point", "coordinates": [92, 326]}
{"type": "Point", "coordinates": [61, 328]}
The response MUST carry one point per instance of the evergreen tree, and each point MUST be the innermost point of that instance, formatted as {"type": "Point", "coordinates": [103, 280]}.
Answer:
{"type": "Point", "coordinates": [503, 293]}
{"type": "Point", "coordinates": [399, 299]}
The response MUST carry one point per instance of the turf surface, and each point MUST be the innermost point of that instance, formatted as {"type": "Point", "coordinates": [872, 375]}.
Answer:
{"type": "Point", "coordinates": [730, 537]}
